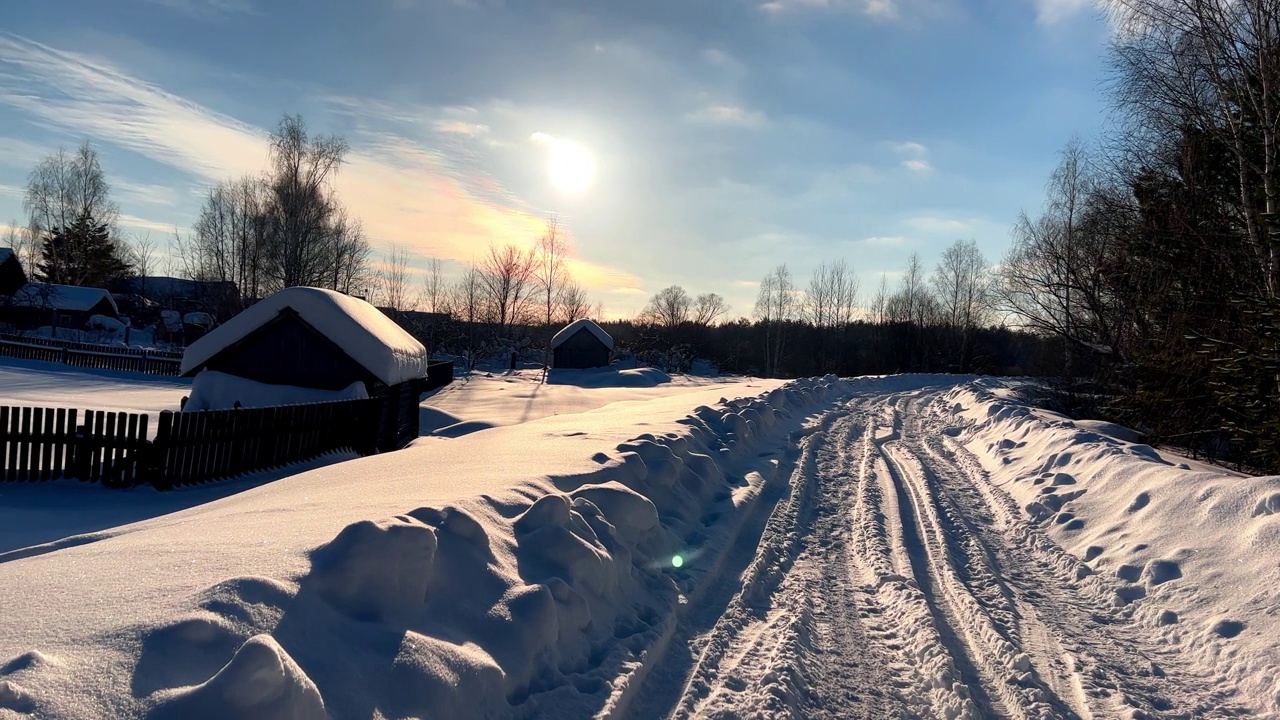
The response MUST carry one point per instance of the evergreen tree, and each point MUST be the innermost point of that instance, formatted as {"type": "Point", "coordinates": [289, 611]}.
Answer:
{"type": "Point", "coordinates": [82, 253]}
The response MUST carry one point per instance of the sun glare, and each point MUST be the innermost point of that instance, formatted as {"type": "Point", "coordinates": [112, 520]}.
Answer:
{"type": "Point", "coordinates": [570, 166]}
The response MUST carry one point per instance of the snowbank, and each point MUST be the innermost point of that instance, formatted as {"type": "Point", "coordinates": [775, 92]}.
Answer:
{"type": "Point", "coordinates": [608, 377]}
{"type": "Point", "coordinates": [212, 390]}
{"type": "Point", "coordinates": [360, 329]}
{"type": "Point", "coordinates": [1189, 552]}
{"type": "Point", "coordinates": [490, 596]}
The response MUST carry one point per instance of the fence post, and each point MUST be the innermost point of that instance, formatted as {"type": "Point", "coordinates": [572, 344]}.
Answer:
{"type": "Point", "coordinates": [157, 460]}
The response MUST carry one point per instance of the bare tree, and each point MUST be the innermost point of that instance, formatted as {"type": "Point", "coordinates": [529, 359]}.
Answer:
{"type": "Point", "coordinates": [574, 303]}
{"type": "Point", "coordinates": [22, 243]}
{"type": "Point", "coordinates": [508, 277]}
{"type": "Point", "coordinates": [962, 283]}
{"type": "Point", "coordinates": [301, 211]}
{"type": "Point", "coordinates": [65, 186]}
{"type": "Point", "coordinates": [551, 269]}
{"type": "Point", "coordinates": [669, 308]}
{"type": "Point", "coordinates": [709, 307]}
{"type": "Point", "coordinates": [142, 255]}
{"type": "Point", "coordinates": [393, 280]}
{"type": "Point", "coordinates": [433, 293]}
{"type": "Point", "coordinates": [775, 307]}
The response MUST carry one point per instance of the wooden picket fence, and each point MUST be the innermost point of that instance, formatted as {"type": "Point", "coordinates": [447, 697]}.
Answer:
{"type": "Point", "coordinates": [88, 355]}
{"type": "Point", "coordinates": [197, 447]}
{"type": "Point", "coordinates": [40, 444]}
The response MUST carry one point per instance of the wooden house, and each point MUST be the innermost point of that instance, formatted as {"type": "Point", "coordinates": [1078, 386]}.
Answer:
{"type": "Point", "coordinates": [581, 344]}
{"type": "Point", "coordinates": [323, 340]}
{"type": "Point", "coordinates": [60, 306]}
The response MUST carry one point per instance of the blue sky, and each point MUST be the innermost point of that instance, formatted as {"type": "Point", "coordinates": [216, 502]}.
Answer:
{"type": "Point", "coordinates": [728, 135]}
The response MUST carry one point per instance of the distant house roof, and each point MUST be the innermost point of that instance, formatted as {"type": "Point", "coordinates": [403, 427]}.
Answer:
{"type": "Point", "coordinates": [62, 297]}
{"type": "Point", "coordinates": [572, 329]}
{"type": "Point", "coordinates": [369, 337]}
{"type": "Point", "coordinates": [177, 287]}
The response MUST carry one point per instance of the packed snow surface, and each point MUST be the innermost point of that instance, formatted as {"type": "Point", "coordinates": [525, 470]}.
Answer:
{"type": "Point", "coordinates": [362, 331]}
{"type": "Point", "coordinates": [909, 546]}
{"type": "Point", "coordinates": [33, 383]}
{"type": "Point", "coordinates": [572, 329]}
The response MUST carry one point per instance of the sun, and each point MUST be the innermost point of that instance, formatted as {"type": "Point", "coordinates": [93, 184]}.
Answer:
{"type": "Point", "coordinates": [570, 166]}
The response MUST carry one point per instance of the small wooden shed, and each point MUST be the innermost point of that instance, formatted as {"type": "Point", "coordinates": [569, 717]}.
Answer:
{"type": "Point", "coordinates": [12, 277]}
{"type": "Point", "coordinates": [323, 340]}
{"type": "Point", "coordinates": [581, 344]}
{"type": "Point", "coordinates": [60, 306]}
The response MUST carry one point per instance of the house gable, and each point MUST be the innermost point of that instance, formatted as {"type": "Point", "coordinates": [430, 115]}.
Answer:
{"type": "Point", "coordinates": [289, 351]}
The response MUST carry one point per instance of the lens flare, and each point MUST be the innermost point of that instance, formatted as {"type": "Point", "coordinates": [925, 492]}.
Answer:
{"type": "Point", "coordinates": [677, 561]}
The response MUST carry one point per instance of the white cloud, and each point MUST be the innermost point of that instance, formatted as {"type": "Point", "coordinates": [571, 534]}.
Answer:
{"type": "Point", "coordinates": [403, 192]}
{"type": "Point", "coordinates": [917, 166]}
{"type": "Point", "coordinates": [1050, 12]}
{"type": "Point", "coordinates": [916, 156]}
{"type": "Point", "coordinates": [728, 115]}
{"type": "Point", "coordinates": [139, 223]}
{"type": "Point", "coordinates": [911, 148]}
{"type": "Point", "coordinates": [69, 91]}
{"type": "Point", "coordinates": [892, 241]}
{"type": "Point", "coordinates": [208, 8]}
{"type": "Point", "coordinates": [461, 127]}
{"type": "Point", "coordinates": [880, 9]}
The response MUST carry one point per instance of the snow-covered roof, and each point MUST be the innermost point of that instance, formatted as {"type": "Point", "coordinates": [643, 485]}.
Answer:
{"type": "Point", "coordinates": [572, 329]}
{"type": "Point", "coordinates": [62, 297]}
{"type": "Point", "coordinates": [371, 338]}
{"type": "Point", "coordinates": [5, 254]}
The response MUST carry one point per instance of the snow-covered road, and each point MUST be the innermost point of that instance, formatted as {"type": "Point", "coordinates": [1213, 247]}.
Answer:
{"type": "Point", "coordinates": [897, 547]}
{"type": "Point", "coordinates": [895, 580]}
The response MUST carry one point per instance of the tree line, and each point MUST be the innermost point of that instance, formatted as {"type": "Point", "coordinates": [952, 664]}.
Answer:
{"type": "Point", "coordinates": [944, 320]}
{"type": "Point", "coordinates": [1155, 260]}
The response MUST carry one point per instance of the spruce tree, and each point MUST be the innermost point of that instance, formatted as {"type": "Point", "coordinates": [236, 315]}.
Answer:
{"type": "Point", "coordinates": [82, 253]}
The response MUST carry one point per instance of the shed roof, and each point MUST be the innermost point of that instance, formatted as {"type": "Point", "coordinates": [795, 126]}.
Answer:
{"type": "Point", "coordinates": [572, 329]}
{"type": "Point", "coordinates": [5, 254]}
{"type": "Point", "coordinates": [370, 338]}
{"type": "Point", "coordinates": [62, 297]}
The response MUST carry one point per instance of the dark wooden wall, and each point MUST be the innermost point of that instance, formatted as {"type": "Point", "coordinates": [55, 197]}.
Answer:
{"type": "Point", "coordinates": [581, 350]}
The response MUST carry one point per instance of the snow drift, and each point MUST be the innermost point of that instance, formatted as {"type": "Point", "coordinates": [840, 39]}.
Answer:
{"type": "Point", "coordinates": [1189, 551]}
{"type": "Point", "coordinates": [547, 598]}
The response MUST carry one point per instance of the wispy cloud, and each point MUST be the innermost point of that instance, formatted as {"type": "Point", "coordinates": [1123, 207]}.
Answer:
{"type": "Point", "coordinates": [140, 223]}
{"type": "Point", "coordinates": [1050, 12]}
{"type": "Point", "coordinates": [879, 9]}
{"type": "Point", "coordinates": [885, 241]}
{"type": "Point", "coordinates": [145, 193]}
{"type": "Point", "coordinates": [915, 157]}
{"type": "Point", "coordinates": [208, 9]}
{"type": "Point", "coordinates": [84, 97]}
{"type": "Point", "coordinates": [403, 193]}
{"type": "Point", "coordinates": [725, 114]}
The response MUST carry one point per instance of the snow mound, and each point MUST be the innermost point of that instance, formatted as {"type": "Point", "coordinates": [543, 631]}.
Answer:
{"type": "Point", "coordinates": [211, 390]}
{"type": "Point", "coordinates": [608, 377]}
{"type": "Point", "coordinates": [261, 682]}
{"type": "Point", "coordinates": [572, 329]}
{"type": "Point", "coordinates": [1189, 554]}
{"type": "Point", "coordinates": [532, 603]}
{"type": "Point", "coordinates": [1110, 429]}
{"type": "Point", "coordinates": [360, 329]}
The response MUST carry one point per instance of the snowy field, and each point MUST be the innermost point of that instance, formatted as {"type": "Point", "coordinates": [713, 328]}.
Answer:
{"type": "Point", "coordinates": [911, 546]}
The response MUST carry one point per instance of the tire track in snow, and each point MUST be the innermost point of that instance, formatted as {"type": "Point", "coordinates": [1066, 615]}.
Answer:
{"type": "Point", "coordinates": [1091, 656]}
{"type": "Point", "coordinates": [893, 580]}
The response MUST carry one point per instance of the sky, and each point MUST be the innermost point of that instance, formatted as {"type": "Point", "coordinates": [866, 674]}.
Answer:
{"type": "Point", "coordinates": [690, 142]}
